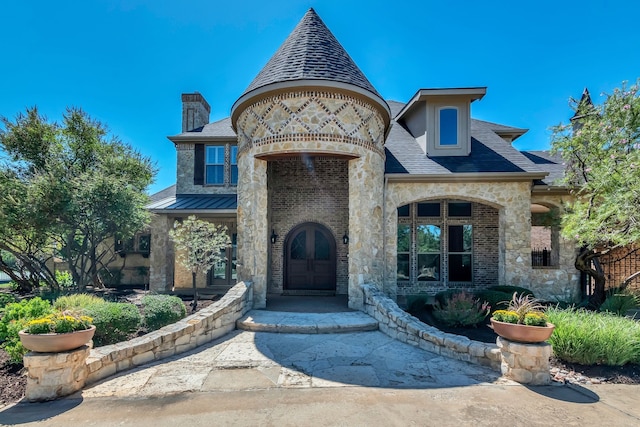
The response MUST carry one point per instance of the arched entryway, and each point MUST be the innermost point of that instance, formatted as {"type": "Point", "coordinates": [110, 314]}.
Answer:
{"type": "Point", "coordinates": [310, 259]}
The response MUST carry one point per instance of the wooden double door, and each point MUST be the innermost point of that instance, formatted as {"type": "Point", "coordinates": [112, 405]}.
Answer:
{"type": "Point", "coordinates": [310, 259]}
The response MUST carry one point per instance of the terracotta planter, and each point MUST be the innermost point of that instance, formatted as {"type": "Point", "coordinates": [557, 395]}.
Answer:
{"type": "Point", "coordinates": [55, 343]}
{"type": "Point", "coordinates": [522, 333]}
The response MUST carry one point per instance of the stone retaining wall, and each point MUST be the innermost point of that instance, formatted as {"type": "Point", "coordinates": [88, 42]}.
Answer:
{"type": "Point", "coordinates": [202, 327]}
{"type": "Point", "coordinates": [400, 325]}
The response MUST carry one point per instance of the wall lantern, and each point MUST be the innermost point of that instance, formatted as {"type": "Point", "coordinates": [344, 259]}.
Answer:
{"type": "Point", "coordinates": [274, 236]}
{"type": "Point", "coordinates": [345, 239]}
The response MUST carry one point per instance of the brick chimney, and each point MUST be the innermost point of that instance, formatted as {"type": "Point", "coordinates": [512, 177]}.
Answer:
{"type": "Point", "coordinates": [195, 111]}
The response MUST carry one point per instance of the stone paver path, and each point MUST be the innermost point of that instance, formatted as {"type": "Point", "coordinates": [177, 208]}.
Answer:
{"type": "Point", "coordinates": [246, 360]}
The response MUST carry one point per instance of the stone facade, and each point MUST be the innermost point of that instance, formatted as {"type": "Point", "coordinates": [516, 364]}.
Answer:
{"type": "Point", "coordinates": [313, 124]}
{"type": "Point", "coordinates": [525, 363]}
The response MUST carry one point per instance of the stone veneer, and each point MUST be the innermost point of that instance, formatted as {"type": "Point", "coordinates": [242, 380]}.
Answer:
{"type": "Point", "coordinates": [525, 363]}
{"type": "Point", "coordinates": [513, 201]}
{"type": "Point", "coordinates": [161, 256]}
{"type": "Point", "coordinates": [400, 325]}
{"type": "Point", "coordinates": [327, 124]}
{"type": "Point", "coordinates": [53, 375]}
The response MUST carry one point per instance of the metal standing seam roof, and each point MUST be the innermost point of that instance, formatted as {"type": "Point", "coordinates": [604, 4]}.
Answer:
{"type": "Point", "coordinates": [311, 52]}
{"type": "Point", "coordinates": [192, 202]}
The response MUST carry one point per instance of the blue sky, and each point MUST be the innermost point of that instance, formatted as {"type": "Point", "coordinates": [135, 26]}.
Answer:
{"type": "Point", "coordinates": [127, 62]}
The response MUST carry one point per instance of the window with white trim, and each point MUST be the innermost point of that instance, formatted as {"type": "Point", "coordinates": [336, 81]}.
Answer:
{"type": "Point", "coordinates": [214, 164]}
{"type": "Point", "coordinates": [448, 126]}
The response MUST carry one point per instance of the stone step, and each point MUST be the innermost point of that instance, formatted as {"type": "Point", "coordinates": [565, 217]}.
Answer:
{"type": "Point", "coordinates": [306, 323]}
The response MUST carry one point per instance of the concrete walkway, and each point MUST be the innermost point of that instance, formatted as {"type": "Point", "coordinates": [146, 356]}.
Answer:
{"type": "Point", "coordinates": [355, 378]}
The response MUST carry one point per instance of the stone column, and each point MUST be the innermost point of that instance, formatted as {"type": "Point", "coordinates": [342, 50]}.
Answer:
{"type": "Point", "coordinates": [54, 375]}
{"type": "Point", "coordinates": [525, 363]}
{"type": "Point", "coordinates": [253, 231]}
{"type": "Point", "coordinates": [161, 256]}
{"type": "Point", "coordinates": [366, 198]}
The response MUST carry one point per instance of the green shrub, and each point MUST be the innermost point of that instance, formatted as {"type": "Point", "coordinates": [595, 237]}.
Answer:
{"type": "Point", "coordinates": [619, 303]}
{"type": "Point", "coordinates": [415, 303]}
{"type": "Point", "coordinates": [77, 302]}
{"type": "Point", "coordinates": [497, 300]}
{"type": "Point", "coordinates": [6, 298]}
{"type": "Point", "coordinates": [591, 338]}
{"type": "Point", "coordinates": [65, 280]}
{"type": "Point", "coordinates": [162, 310]}
{"type": "Point", "coordinates": [462, 309]}
{"type": "Point", "coordinates": [443, 297]}
{"type": "Point", "coordinates": [511, 289]}
{"type": "Point", "coordinates": [114, 321]}
{"type": "Point", "coordinates": [16, 316]}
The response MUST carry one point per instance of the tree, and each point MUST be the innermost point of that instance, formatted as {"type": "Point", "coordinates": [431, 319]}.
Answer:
{"type": "Point", "coordinates": [199, 247]}
{"type": "Point", "coordinates": [601, 150]}
{"type": "Point", "coordinates": [65, 189]}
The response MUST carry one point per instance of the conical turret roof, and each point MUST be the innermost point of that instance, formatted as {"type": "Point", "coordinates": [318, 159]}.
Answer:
{"type": "Point", "coordinates": [311, 52]}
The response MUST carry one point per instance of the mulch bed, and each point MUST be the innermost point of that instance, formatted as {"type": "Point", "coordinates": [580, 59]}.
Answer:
{"type": "Point", "coordinates": [561, 371]}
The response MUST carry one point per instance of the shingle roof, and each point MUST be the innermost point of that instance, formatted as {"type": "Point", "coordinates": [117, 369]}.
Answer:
{"type": "Point", "coordinates": [163, 194]}
{"type": "Point", "coordinates": [549, 163]}
{"type": "Point", "coordinates": [220, 129]}
{"type": "Point", "coordinates": [193, 202]}
{"type": "Point", "coordinates": [311, 52]}
{"type": "Point", "coordinates": [489, 153]}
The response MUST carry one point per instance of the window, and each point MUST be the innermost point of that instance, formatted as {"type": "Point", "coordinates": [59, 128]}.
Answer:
{"type": "Point", "coordinates": [435, 242]}
{"type": "Point", "coordinates": [428, 252]}
{"type": "Point", "coordinates": [214, 164]}
{"type": "Point", "coordinates": [224, 272]}
{"type": "Point", "coordinates": [460, 248]}
{"type": "Point", "coordinates": [234, 165]}
{"type": "Point", "coordinates": [448, 126]}
{"type": "Point", "coordinates": [138, 244]}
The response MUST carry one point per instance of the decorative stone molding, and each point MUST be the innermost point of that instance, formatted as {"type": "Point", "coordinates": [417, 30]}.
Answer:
{"type": "Point", "coordinates": [309, 116]}
{"type": "Point", "coordinates": [525, 363]}
{"type": "Point", "coordinates": [400, 325]}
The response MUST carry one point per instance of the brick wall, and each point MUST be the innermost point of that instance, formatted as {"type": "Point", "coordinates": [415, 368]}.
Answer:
{"type": "Point", "coordinates": [485, 245]}
{"type": "Point", "coordinates": [298, 193]}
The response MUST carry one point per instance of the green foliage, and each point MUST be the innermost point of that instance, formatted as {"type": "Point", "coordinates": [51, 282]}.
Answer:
{"type": "Point", "coordinates": [600, 149]}
{"type": "Point", "coordinates": [199, 243]}
{"type": "Point", "coordinates": [15, 317]}
{"type": "Point", "coordinates": [535, 319]}
{"type": "Point", "coordinates": [591, 338]}
{"type": "Point", "coordinates": [496, 299]}
{"type": "Point", "coordinates": [523, 305]}
{"type": "Point", "coordinates": [511, 289]}
{"type": "Point", "coordinates": [462, 309]}
{"type": "Point", "coordinates": [505, 316]}
{"type": "Point", "coordinates": [114, 322]}
{"type": "Point", "coordinates": [77, 302]}
{"type": "Point", "coordinates": [162, 310]}
{"type": "Point", "coordinates": [443, 297]}
{"type": "Point", "coordinates": [58, 323]}
{"type": "Point", "coordinates": [619, 303]}
{"type": "Point", "coordinates": [6, 298]}
{"type": "Point", "coordinates": [65, 280]}
{"type": "Point", "coordinates": [67, 186]}
{"type": "Point", "coordinates": [415, 303]}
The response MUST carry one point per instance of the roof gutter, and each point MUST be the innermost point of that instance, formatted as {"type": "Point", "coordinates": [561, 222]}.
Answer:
{"type": "Point", "coordinates": [467, 177]}
{"type": "Point", "coordinates": [212, 212]}
{"type": "Point", "coordinates": [551, 190]}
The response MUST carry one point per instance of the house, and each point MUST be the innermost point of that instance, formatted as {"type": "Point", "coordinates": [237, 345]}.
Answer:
{"type": "Point", "coordinates": [325, 185]}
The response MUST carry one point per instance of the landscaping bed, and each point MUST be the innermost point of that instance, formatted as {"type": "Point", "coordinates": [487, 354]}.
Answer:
{"type": "Point", "coordinates": [13, 380]}
{"type": "Point", "coordinates": [561, 371]}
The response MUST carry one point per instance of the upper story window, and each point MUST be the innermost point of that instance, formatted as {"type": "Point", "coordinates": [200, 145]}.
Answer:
{"type": "Point", "coordinates": [234, 164]}
{"type": "Point", "coordinates": [214, 164]}
{"type": "Point", "coordinates": [448, 127]}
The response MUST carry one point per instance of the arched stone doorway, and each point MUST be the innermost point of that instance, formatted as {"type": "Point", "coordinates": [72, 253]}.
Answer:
{"type": "Point", "coordinates": [310, 259]}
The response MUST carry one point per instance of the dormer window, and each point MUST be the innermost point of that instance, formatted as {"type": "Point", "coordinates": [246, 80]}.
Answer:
{"type": "Point", "coordinates": [448, 127]}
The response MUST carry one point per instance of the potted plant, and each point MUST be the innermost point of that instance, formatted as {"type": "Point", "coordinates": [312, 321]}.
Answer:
{"type": "Point", "coordinates": [57, 332]}
{"type": "Point", "coordinates": [523, 320]}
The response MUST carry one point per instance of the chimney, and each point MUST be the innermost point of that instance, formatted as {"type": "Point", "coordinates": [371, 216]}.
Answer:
{"type": "Point", "coordinates": [195, 111]}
